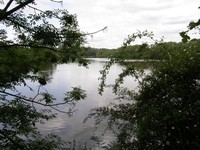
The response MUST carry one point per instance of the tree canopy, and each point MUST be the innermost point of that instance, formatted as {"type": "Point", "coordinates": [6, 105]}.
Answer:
{"type": "Point", "coordinates": [163, 113]}
{"type": "Point", "coordinates": [40, 37]}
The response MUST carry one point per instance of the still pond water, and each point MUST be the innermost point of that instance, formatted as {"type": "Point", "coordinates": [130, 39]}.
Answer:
{"type": "Point", "coordinates": [62, 78]}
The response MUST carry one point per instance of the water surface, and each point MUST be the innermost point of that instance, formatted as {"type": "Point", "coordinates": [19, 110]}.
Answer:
{"type": "Point", "coordinates": [62, 78]}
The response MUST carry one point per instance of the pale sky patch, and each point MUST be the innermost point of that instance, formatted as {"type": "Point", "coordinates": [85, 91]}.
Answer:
{"type": "Point", "coordinates": [123, 17]}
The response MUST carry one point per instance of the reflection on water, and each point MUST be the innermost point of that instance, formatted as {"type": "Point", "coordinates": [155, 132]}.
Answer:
{"type": "Point", "coordinates": [65, 76]}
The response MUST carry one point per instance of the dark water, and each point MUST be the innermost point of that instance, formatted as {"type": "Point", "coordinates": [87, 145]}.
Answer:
{"type": "Point", "coordinates": [62, 78]}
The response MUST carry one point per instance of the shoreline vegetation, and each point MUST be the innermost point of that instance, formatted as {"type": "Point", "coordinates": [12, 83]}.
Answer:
{"type": "Point", "coordinates": [144, 51]}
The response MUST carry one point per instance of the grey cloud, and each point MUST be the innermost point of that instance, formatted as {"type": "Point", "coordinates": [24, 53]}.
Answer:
{"type": "Point", "coordinates": [164, 17]}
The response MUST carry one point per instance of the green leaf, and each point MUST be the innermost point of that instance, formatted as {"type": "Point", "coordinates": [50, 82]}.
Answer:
{"type": "Point", "coordinates": [76, 94]}
{"type": "Point", "coordinates": [42, 81]}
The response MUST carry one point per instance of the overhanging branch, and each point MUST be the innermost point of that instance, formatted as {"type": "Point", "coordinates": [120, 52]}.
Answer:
{"type": "Point", "coordinates": [8, 5]}
{"type": "Point", "coordinates": [94, 32]}
{"type": "Point", "coordinates": [31, 46]}
{"type": "Point", "coordinates": [33, 101]}
{"type": "Point", "coordinates": [4, 15]}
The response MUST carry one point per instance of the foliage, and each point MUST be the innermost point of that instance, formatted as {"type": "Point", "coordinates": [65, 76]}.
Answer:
{"type": "Point", "coordinates": [144, 51]}
{"type": "Point", "coordinates": [90, 53]}
{"type": "Point", "coordinates": [39, 38]}
{"type": "Point", "coordinates": [192, 26]}
{"type": "Point", "coordinates": [163, 113]}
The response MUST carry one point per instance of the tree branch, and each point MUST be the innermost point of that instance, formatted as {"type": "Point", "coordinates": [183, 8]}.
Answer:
{"type": "Point", "coordinates": [69, 112]}
{"type": "Point", "coordinates": [56, 1]}
{"type": "Point", "coordinates": [4, 15]}
{"type": "Point", "coordinates": [94, 32]}
{"type": "Point", "coordinates": [32, 101]}
{"type": "Point", "coordinates": [8, 5]}
{"type": "Point", "coordinates": [31, 46]}
{"type": "Point", "coordinates": [20, 25]}
{"type": "Point", "coordinates": [42, 11]}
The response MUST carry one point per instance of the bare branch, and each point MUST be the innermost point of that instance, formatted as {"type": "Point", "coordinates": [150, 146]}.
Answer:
{"type": "Point", "coordinates": [32, 101]}
{"type": "Point", "coordinates": [35, 8]}
{"type": "Point", "coordinates": [42, 11]}
{"type": "Point", "coordinates": [94, 32]}
{"type": "Point", "coordinates": [8, 5]}
{"type": "Point", "coordinates": [65, 112]}
{"type": "Point", "coordinates": [56, 1]}
{"type": "Point", "coordinates": [6, 14]}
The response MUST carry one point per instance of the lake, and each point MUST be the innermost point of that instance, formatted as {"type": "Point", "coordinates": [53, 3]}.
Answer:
{"type": "Point", "coordinates": [62, 78]}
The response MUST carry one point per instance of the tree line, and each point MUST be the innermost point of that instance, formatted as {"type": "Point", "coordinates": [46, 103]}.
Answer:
{"type": "Point", "coordinates": [144, 51]}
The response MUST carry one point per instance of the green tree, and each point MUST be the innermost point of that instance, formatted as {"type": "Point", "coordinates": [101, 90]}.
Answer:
{"type": "Point", "coordinates": [90, 52]}
{"type": "Point", "coordinates": [37, 41]}
{"type": "Point", "coordinates": [164, 113]}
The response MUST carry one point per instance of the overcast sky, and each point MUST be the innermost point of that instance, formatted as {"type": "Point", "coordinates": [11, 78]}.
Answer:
{"type": "Point", "coordinates": [123, 17]}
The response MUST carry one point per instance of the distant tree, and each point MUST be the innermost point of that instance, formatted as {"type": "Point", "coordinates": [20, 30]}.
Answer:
{"type": "Point", "coordinates": [103, 53]}
{"type": "Point", "coordinates": [90, 52]}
